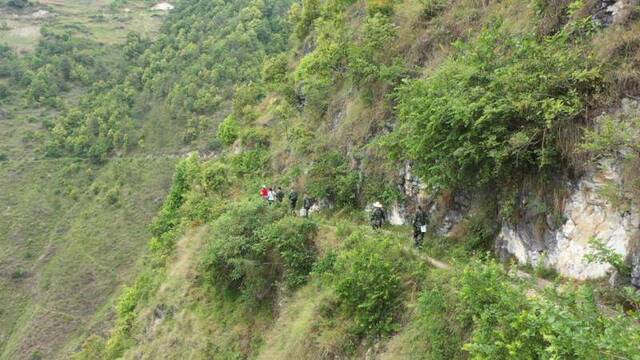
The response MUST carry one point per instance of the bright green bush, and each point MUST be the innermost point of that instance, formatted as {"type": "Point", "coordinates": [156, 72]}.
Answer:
{"type": "Point", "coordinates": [186, 174]}
{"type": "Point", "coordinates": [292, 239]}
{"type": "Point", "coordinates": [305, 17]}
{"type": "Point", "coordinates": [250, 162]}
{"type": "Point", "coordinates": [437, 329]}
{"type": "Point", "coordinates": [602, 254]}
{"type": "Point", "coordinates": [126, 306]}
{"type": "Point", "coordinates": [378, 187]}
{"type": "Point", "coordinates": [228, 130]}
{"type": "Point", "coordinates": [368, 283]}
{"type": "Point", "coordinates": [215, 177]}
{"type": "Point", "coordinates": [610, 136]}
{"type": "Point", "coordinates": [236, 258]}
{"type": "Point", "coordinates": [494, 109]}
{"type": "Point", "coordinates": [319, 71]}
{"type": "Point", "coordinates": [254, 137]}
{"type": "Point", "coordinates": [253, 246]}
{"type": "Point", "coordinates": [370, 61]}
{"type": "Point", "coordinates": [274, 72]}
{"type": "Point", "coordinates": [384, 7]}
{"type": "Point", "coordinates": [506, 323]}
{"type": "Point", "coordinates": [330, 177]}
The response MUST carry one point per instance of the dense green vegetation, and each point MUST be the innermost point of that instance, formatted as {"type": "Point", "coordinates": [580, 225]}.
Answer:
{"type": "Point", "coordinates": [256, 254]}
{"type": "Point", "coordinates": [496, 108]}
{"type": "Point", "coordinates": [331, 99]}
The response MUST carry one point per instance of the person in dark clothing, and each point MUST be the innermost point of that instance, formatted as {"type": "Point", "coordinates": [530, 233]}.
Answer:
{"type": "Point", "coordinates": [307, 203]}
{"type": "Point", "coordinates": [279, 195]}
{"type": "Point", "coordinates": [419, 226]}
{"type": "Point", "coordinates": [293, 200]}
{"type": "Point", "coordinates": [378, 216]}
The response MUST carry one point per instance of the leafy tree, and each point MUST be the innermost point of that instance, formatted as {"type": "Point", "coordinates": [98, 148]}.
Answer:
{"type": "Point", "coordinates": [494, 109]}
{"type": "Point", "coordinates": [309, 13]}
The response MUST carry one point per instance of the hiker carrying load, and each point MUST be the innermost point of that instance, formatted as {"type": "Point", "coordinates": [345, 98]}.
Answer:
{"type": "Point", "coordinates": [378, 216]}
{"type": "Point", "coordinates": [419, 226]}
{"type": "Point", "coordinates": [293, 199]}
{"type": "Point", "coordinates": [279, 195]}
{"type": "Point", "coordinates": [307, 203]}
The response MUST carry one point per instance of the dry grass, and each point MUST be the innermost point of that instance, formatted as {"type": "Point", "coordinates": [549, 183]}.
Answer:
{"type": "Point", "coordinates": [290, 336]}
{"type": "Point", "coordinates": [618, 48]}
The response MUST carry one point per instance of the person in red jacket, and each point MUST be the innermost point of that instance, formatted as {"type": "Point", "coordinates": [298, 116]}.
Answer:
{"type": "Point", "coordinates": [264, 192]}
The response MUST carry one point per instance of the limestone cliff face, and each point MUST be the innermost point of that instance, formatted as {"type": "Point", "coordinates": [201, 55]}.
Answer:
{"type": "Point", "coordinates": [587, 214]}
{"type": "Point", "coordinates": [560, 243]}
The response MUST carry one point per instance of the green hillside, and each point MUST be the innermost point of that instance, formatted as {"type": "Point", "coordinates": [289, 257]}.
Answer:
{"type": "Point", "coordinates": [133, 144]}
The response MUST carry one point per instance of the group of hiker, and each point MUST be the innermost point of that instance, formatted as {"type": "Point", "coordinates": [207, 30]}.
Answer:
{"type": "Point", "coordinates": [272, 196]}
{"type": "Point", "coordinates": [378, 215]}
{"type": "Point", "coordinates": [419, 223]}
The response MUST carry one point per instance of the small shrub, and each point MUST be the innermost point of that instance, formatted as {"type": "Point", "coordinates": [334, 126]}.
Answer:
{"type": "Point", "coordinates": [253, 162]}
{"type": "Point", "coordinates": [326, 264]}
{"type": "Point", "coordinates": [252, 138]}
{"type": "Point", "coordinates": [4, 91]}
{"type": "Point", "coordinates": [292, 240]}
{"type": "Point", "coordinates": [610, 136]}
{"type": "Point", "coordinates": [384, 7]}
{"type": "Point", "coordinates": [112, 196]}
{"type": "Point", "coordinates": [380, 188]}
{"type": "Point", "coordinates": [331, 178]}
{"type": "Point", "coordinates": [19, 274]}
{"type": "Point", "coordinates": [215, 177]}
{"type": "Point", "coordinates": [198, 207]}
{"type": "Point", "coordinates": [250, 250]}
{"type": "Point", "coordinates": [368, 284]}
{"type": "Point", "coordinates": [305, 17]}
{"type": "Point", "coordinates": [602, 254]}
{"type": "Point", "coordinates": [437, 327]}
{"type": "Point", "coordinates": [432, 8]}
{"type": "Point", "coordinates": [228, 130]}
{"type": "Point", "coordinates": [184, 177]}
{"type": "Point", "coordinates": [506, 323]}
{"type": "Point", "coordinates": [274, 71]}
{"type": "Point", "coordinates": [481, 231]}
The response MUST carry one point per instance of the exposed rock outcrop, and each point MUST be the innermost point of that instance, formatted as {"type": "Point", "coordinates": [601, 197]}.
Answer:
{"type": "Point", "coordinates": [588, 215]}
{"type": "Point", "coordinates": [163, 6]}
{"type": "Point", "coordinates": [397, 214]}
{"type": "Point", "coordinates": [610, 12]}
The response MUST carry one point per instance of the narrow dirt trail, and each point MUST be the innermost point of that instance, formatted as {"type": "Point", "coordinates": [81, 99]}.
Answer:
{"type": "Point", "coordinates": [540, 283]}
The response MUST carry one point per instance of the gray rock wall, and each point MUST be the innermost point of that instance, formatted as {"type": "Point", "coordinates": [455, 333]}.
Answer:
{"type": "Point", "coordinates": [588, 215]}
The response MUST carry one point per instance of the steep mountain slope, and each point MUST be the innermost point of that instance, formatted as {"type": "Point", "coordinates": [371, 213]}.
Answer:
{"type": "Point", "coordinates": [481, 112]}
{"type": "Point", "coordinates": [71, 230]}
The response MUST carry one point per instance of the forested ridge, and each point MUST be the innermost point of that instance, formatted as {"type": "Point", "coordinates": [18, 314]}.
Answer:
{"type": "Point", "coordinates": [347, 102]}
